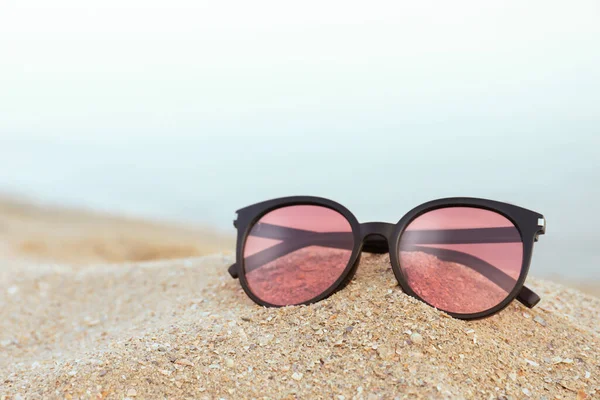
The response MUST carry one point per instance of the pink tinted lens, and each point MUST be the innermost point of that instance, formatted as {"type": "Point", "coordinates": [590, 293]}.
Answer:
{"type": "Point", "coordinates": [462, 260]}
{"type": "Point", "coordinates": [294, 254]}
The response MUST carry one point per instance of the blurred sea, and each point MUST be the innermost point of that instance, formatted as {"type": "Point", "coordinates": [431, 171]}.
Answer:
{"type": "Point", "coordinates": [203, 180]}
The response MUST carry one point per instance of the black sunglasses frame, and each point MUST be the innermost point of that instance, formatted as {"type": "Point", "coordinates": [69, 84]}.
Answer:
{"type": "Point", "coordinates": [379, 237]}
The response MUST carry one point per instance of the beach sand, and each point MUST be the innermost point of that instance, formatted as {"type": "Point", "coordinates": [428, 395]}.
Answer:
{"type": "Point", "coordinates": [86, 327]}
{"type": "Point", "coordinates": [70, 236]}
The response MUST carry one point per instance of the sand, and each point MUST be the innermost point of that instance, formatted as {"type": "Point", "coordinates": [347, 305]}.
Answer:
{"type": "Point", "coordinates": [71, 236]}
{"type": "Point", "coordinates": [184, 329]}
{"type": "Point", "coordinates": [85, 327]}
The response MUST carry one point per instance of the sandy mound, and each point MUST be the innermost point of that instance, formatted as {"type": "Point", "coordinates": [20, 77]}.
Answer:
{"type": "Point", "coordinates": [75, 237]}
{"type": "Point", "coordinates": [184, 329]}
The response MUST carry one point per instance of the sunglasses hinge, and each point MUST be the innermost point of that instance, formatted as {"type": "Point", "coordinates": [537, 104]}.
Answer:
{"type": "Point", "coordinates": [542, 226]}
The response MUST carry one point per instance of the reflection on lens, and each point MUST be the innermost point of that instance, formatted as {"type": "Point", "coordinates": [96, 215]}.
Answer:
{"type": "Point", "coordinates": [293, 254]}
{"type": "Point", "coordinates": [463, 260]}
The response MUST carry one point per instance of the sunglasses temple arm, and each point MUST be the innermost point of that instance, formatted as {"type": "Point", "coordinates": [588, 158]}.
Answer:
{"type": "Point", "coordinates": [303, 238]}
{"type": "Point", "coordinates": [334, 240]}
{"type": "Point", "coordinates": [233, 271]}
{"type": "Point", "coordinates": [526, 296]}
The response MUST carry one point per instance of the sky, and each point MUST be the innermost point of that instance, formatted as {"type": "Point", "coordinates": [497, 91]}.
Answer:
{"type": "Point", "coordinates": [188, 110]}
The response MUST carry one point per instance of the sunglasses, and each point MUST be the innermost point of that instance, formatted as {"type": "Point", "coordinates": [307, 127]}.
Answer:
{"type": "Point", "coordinates": [465, 256]}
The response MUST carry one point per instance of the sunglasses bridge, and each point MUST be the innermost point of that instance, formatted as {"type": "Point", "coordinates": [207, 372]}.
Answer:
{"type": "Point", "coordinates": [376, 236]}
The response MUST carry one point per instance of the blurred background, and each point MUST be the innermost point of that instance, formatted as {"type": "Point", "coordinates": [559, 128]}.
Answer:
{"type": "Point", "coordinates": [183, 111]}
